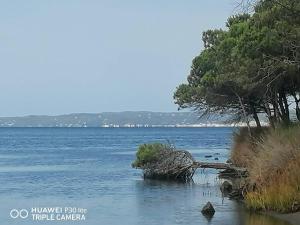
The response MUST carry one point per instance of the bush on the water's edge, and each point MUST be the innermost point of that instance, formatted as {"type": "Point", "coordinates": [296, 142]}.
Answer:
{"type": "Point", "coordinates": [272, 158]}
{"type": "Point", "coordinates": [147, 153]}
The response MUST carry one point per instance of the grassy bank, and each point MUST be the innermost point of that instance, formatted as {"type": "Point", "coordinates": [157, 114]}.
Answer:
{"type": "Point", "coordinates": [272, 157]}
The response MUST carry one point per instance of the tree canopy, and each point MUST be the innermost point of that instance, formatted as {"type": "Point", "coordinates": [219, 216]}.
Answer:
{"type": "Point", "coordinates": [252, 67]}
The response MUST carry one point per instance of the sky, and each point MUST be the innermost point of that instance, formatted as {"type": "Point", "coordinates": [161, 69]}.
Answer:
{"type": "Point", "coordinates": [72, 56]}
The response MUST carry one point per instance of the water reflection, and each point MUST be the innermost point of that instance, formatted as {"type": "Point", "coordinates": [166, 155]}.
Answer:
{"type": "Point", "coordinates": [178, 203]}
{"type": "Point", "coordinates": [259, 219]}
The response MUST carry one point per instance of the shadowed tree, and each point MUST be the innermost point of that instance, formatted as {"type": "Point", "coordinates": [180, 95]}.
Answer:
{"type": "Point", "coordinates": [250, 68]}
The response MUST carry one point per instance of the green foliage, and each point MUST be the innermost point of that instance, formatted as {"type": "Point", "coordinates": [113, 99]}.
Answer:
{"type": "Point", "coordinates": [148, 153]}
{"type": "Point", "coordinates": [252, 67]}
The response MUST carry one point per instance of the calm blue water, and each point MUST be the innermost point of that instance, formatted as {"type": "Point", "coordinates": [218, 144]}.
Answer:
{"type": "Point", "coordinates": [91, 168]}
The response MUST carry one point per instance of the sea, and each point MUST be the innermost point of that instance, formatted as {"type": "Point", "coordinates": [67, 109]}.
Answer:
{"type": "Point", "coordinates": [84, 176]}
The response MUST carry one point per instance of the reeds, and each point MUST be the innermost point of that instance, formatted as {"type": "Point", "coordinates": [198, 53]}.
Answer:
{"type": "Point", "coordinates": [273, 162]}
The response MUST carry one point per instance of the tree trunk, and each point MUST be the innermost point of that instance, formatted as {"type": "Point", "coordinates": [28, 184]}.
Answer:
{"type": "Point", "coordinates": [281, 107]}
{"type": "Point", "coordinates": [269, 114]}
{"type": "Point", "coordinates": [284, 107]}
{"type": "Point", "coordinates": [297, 106]}
{"type": "Point", "coordinates": [277, 115]}
{"type": "Point", "coordinates": [245, 114]}
{"type": "Point", "coordinates": [287, 110]}
{"type": "Point", "coordinates": [298, 112]}
{"type": "Point", "coordinates": [255, 116]}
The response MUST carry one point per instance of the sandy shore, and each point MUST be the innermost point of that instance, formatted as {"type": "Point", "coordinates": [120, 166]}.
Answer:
{"type": "Point", "coordinates": [292, 218]}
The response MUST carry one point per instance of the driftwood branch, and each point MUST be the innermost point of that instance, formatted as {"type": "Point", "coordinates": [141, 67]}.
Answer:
{"type": "Point", "coordinates": [180, 165]}
{"type": "Point", "coordinates": [229, 170]}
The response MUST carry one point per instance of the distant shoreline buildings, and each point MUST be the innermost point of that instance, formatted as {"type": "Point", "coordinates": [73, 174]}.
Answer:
{"type": "Point", "coordinates": [142, 119]}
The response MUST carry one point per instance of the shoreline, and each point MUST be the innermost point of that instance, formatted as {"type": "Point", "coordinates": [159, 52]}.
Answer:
{"type": "Point", "coordinates": [292, 218]}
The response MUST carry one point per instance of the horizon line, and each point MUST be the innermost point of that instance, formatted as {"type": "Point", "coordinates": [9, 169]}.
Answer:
{"type": "Point", "coordinates": [125, 111]}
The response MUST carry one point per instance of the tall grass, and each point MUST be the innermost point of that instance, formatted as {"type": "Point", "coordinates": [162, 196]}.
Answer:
{"type": "Point", "coordinates": [273, 161]}
{"type": "Point", "coordinates": [244, 148]}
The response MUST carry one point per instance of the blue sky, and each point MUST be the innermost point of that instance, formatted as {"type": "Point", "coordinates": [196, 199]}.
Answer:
{"type": "Point", "coordinates": [65, 56]}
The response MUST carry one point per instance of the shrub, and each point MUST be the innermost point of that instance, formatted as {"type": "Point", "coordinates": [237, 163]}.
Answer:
{"type": "Point", "coordinates": [148, 153]}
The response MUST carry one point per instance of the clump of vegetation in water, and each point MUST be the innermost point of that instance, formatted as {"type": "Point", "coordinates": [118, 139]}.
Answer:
{"type": "Point", "coordinates": [148, 153]}
{"type": "Point", "coordinates": [164, 162]}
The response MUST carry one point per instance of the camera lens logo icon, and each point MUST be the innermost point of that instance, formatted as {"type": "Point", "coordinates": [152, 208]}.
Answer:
{"type": "Point", "coordinates": [23, 213]}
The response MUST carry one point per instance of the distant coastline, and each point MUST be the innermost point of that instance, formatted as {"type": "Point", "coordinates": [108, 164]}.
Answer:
{"type": "Point", "coordinates": [130, 119]}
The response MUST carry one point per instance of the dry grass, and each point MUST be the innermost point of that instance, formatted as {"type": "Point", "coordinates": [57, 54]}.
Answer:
{"type": "Point", "coordinates": [281, 194]}
{"type": "Point", "coordinates": [244, 148]}
{"type": "Point", "coordinates": [274, 167]}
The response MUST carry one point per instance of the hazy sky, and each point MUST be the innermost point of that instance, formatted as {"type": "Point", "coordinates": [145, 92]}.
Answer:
{"type": "Point", "coordinates": [65, 56]}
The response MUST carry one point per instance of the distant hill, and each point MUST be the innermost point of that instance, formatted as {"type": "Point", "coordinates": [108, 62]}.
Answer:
{"type": "Point", "coordinates": [114, 119]}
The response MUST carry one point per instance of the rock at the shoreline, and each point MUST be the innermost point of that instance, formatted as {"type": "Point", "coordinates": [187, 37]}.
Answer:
{"type": "Point", "coordinates": [236, 194]}
{"type": "Point", "coordinates": [234, 172]}
{"type": "Point", "coordinates": [296, 206]}
{"type": "Point", "coordinates": [229, 161]}
{"type": "Point", "coordinates": [226, 187]}
{"type": "Point", "coordinates": [208, 210]}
